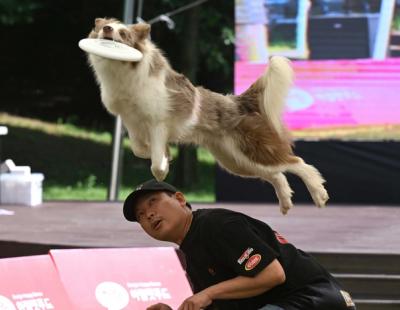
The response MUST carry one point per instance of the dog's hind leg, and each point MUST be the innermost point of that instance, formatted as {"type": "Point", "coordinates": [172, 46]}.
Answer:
{"type": "Point", "coordinates": [312, 179]}
{"type": "Point", "coordinates": [159, 156]}
{"type": "Point", "coordinates": [282, 190]}
{"type": "Point", "coordinates": [240, 164]}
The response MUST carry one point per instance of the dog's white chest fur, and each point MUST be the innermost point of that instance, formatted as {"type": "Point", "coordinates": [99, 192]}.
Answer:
{"type": "Point", "coordinates": [125, 93]}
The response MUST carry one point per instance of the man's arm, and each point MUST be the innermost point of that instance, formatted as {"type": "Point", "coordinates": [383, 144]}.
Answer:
{"type": "Point", "coordinates": [243, 287]}
{"type": "Point", "coordinates": [239, 287]}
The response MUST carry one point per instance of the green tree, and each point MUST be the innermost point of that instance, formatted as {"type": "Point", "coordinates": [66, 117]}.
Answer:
{"type": "Point", "coordinates": [14, 12]}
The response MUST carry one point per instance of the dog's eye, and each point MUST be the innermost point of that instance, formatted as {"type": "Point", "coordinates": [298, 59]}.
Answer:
{"type": "Point", "coordinates": [122, 34]}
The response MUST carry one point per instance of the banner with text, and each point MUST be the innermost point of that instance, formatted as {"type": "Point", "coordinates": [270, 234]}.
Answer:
{"type": "Point", "coordinates": [122, 278]}
{"type": "Point", "coordinates": [28, 283]}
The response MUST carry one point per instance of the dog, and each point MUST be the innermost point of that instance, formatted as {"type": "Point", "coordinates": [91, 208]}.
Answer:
{"type": "Point", "coordinates": [159, 106]}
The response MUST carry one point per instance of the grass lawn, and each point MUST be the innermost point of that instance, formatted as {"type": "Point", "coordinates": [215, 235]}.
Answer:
{"type": "Point", "coordinates": [279, 46]}
{"type": "Point", "coordinates": [76, 162]}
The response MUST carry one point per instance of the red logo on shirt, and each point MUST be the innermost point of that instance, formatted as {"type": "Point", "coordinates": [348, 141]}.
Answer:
{"type": "Point", "coordinates": [252, 262]}
{"type": "Point", "coordinates": [280, 238]}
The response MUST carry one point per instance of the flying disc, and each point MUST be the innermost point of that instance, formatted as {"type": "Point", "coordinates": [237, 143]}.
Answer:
{"type": "Point", "coordinates": [110, 49]}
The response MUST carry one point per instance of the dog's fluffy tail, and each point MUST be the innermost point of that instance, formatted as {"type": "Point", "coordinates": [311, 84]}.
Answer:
{"type": "Point", "coordinates": [277, 79]}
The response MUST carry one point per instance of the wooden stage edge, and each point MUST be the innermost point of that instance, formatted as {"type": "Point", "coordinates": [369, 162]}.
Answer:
{"type": "Point", "coordinates": [334, 229]}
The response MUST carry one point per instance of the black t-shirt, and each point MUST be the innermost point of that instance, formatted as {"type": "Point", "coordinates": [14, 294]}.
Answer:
{"type": "Point", "coordinates": [223, 244]}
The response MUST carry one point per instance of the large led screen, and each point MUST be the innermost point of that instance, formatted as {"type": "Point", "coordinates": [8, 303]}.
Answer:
{"type": "Point", "coordinates": [343, 89]}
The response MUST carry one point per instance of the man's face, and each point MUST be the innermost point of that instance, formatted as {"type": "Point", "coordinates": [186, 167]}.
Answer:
{"type": "Point", "coordinates": [162, 215]}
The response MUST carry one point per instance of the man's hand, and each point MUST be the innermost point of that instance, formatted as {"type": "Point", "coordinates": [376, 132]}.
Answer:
{"type": "Point", "coordinates": [159, 307]}
{"type": "Point", "coordinates": [196, 302]}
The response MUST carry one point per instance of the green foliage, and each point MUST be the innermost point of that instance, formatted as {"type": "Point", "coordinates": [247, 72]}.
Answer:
{"type": "Point", "coordinates": [214, 44]}
{"type": "Point", "coordinates": [88, 182]}
{"type": "Point", "coordinates": [396, 22]}
{"type": "Point", "coordinates": [282, 45]}
{"type": "Point", "coordinates": [228, 36]}
{"type": "Point", "coordinates": [13, 12]}
{"type": "Point", "coordinates": [76, 162]}
{"type": "Point", "coordinates": [217, 37]}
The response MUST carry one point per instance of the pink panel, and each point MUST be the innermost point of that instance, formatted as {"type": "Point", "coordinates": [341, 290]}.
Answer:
{"type": "Point", "coordinates": [31, 283]}
{"type": "Point", "coordinates": [122, 278]}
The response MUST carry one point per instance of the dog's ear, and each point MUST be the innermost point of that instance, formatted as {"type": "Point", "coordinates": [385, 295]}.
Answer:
{"type": "Point", "coordinates": [99, 21]}
{"type": "Point", "coordinates": [141, 30]}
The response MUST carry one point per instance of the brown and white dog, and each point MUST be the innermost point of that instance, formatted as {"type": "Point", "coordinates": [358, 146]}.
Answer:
{"type": "Point", "coordinates": [158, 106]}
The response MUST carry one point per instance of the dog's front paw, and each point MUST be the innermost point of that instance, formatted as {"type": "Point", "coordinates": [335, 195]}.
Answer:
{"type": "Point", "coordinates": [159, 173]}
{"type": "Point", "coordinates": [141, 151]}
{"type": "Point", "coordinates": [145, 154]}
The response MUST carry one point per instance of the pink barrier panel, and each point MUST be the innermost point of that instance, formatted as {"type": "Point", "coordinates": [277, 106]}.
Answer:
{"type": "Point", "coordinates": [122, 278]}
{"type": "Point", "coordinates": [28, 283]}
{"type": "Point", "coordinates": [336, 93]}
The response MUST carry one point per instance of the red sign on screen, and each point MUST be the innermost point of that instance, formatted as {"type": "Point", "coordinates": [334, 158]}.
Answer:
{"type": "Point", "coordinates": [122, 278]}
{"type": "Point", "coordinates": [29, 283]}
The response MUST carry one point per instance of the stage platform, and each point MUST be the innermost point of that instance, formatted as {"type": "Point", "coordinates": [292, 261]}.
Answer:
{"type": "Point", "coordinates": [358, 244]}
{"type": "Point", "coordinates": [334, 229]}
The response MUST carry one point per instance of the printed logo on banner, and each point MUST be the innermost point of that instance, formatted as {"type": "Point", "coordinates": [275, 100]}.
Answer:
{"type": "Point", "coordinates": [148, 291]}
{"type": "Point", "coordinates": [112, 295]}
{"type": "Point", "coordinates": [299, 99]}
{"type": "Point", "coordinates": [34, 300]}
{"type": "Point", "coordinates": [6, 304]}
{"type": "Point", "coordinates": [338, 94]}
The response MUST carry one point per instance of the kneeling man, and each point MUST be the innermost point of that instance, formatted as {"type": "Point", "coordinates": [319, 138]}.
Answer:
{"type": "Point", "coordinates": [233, 261]}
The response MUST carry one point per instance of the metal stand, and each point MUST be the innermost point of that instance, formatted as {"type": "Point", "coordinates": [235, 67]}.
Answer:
{"type": "Point", "coordinates": [116, 164]}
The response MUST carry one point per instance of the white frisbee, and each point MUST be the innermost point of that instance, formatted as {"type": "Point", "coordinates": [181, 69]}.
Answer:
{"type": "Point", "coordinates": [110, 49]}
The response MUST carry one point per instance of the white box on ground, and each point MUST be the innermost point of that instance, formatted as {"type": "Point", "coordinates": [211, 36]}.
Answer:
{"type": "Point", "coordinates": [10, 167]}
{"type": "Point", "coordinates": [21, 189]}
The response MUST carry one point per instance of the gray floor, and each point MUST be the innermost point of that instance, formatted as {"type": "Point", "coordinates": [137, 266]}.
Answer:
{"type": "Point", "coordinates": [349, 229]}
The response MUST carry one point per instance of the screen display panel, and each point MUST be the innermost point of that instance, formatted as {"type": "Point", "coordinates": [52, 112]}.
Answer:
{"type": "Point", "coordinates": [344, 88]}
